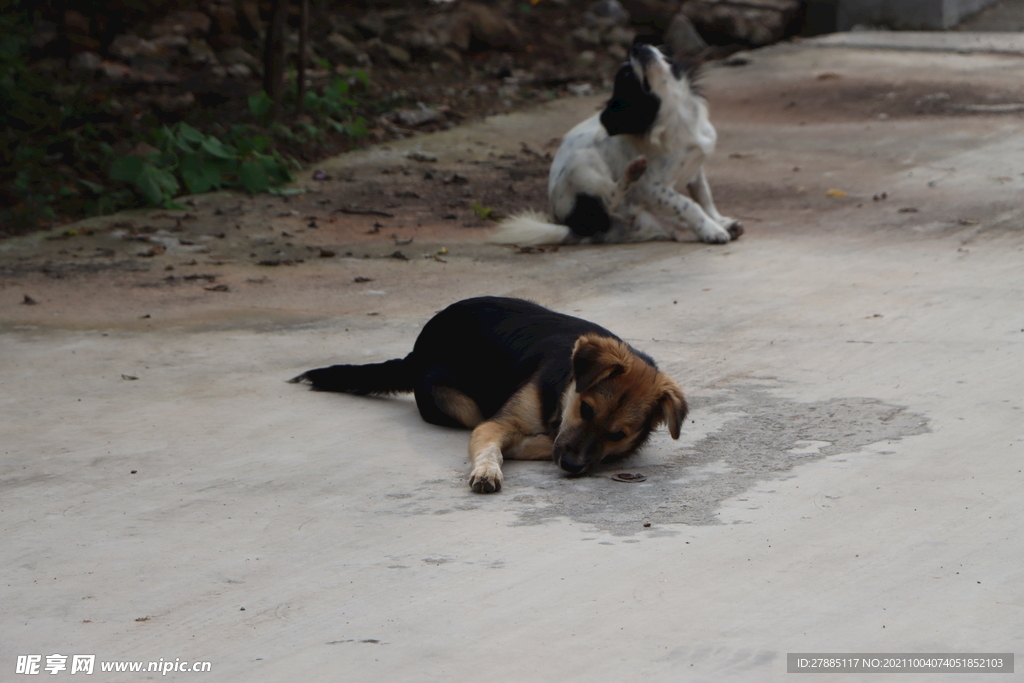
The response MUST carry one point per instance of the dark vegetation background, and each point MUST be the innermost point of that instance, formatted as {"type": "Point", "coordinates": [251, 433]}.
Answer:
{"type": "Point", "coordinates": [107, 104]}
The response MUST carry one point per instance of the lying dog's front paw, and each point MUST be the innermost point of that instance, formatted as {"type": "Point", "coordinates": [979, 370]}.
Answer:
{"type": "Point", "coordinates": [486, 479]}
{"type": "Point", "coordinates": [734, 228]}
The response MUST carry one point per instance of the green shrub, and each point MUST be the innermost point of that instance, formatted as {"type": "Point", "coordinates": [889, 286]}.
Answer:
{"type": "Point", "coordinates": [201, 163]}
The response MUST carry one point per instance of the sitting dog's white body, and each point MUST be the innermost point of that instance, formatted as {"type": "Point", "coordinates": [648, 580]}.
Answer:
{"type": "Point", "coordinates": [615, 175]}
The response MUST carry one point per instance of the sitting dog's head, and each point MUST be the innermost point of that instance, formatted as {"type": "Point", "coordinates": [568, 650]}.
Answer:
{"type": "Point", "coordinates": [642, 86]}
{"type": "Point", "coordinates": [617, 399]}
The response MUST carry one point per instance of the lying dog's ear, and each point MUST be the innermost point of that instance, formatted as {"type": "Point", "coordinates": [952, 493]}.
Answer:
{"type": "Point", "coordinates": [594, 360]}
{"type": "Point", "coordinates": [631, 110]}
{"type": "Point", "coordinates": [673, 407]}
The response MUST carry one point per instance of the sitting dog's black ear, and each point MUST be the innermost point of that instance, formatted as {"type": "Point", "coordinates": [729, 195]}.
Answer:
{"type": "Point", "coordinates": [631, 110]}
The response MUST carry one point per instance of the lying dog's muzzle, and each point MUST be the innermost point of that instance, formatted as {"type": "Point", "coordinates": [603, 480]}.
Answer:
{"type": "Point", "coordinates": [572, 466]}
{"type": "Point", "coordinates": [573, 458]}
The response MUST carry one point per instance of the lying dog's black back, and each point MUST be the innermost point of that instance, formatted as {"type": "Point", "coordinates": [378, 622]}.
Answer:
{"type": "Point", "coordinates": [486, 348]}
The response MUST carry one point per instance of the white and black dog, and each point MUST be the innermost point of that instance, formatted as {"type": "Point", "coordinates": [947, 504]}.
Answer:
{"type": "Point", "coordinates": [615, 176]}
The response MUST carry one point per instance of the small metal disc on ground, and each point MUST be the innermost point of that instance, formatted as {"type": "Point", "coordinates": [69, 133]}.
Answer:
{"type": "Point", "coordinates": [631, 478]}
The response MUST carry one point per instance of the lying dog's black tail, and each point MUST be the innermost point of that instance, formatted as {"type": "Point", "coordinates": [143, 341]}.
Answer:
{"type": "Point", "coordinates": [381, 379]}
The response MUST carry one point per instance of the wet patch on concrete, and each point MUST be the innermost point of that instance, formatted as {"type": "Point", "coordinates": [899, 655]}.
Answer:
{"type": "Point", "coordinates": [764, 437]}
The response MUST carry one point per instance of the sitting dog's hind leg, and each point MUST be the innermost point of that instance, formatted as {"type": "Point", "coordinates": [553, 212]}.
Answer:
{"type": "Point", "coordinates": [634, 172]}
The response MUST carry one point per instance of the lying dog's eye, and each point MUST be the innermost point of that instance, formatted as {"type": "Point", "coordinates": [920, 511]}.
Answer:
{"type": "Point", "coordinates": [617, 436]}
{"type": "Point", "coordinates": [586, 411]}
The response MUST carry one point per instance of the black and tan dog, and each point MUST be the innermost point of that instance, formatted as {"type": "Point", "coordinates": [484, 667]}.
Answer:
{"type": "Point", "coordinates": [532, 384]}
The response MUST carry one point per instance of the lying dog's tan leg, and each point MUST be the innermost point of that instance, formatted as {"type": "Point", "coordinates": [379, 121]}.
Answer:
{"type": "Point", "coordinates": [485, 458]}
{"type": "Point", "coordinates": [455, 403]}
{"type": "Point", "coordinates": [516, 430]}
{"type": "Point", "coordinates": [492, 441]}
{"type": "Point", "coordinates": [532, 447]}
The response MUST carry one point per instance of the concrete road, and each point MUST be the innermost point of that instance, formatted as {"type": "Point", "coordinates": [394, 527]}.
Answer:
{"type": "Point", "coordinates": [849, 480]}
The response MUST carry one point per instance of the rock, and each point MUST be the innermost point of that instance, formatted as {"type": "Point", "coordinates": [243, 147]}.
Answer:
{"type": "Point", "coordinates": [170, 43]}
{"type": "Point", "coordinates": [372, 26]}
{"type": "Point", "coordinates": [237, 55]}
{"type": "Point", "coordinates": [200, 52]}
{"type": "Point", "coordinates": [619, 35]}
{"type": "Point", "coordinates": [421, 40]}
{"type": "Point", "coordinates": [187, 23]}
{"type": "Point", "coordinates": [342, 44]}
{"type": "Point", "coordinates": [151, 74]}
{"type": "Point", "coordinates": [292, 50]}
{"type": "Point", "coordinates": [586, 36]}
{"type": "Point", "coordinates": [380, 52]}
{"type": "Point", "coordinates": [754, 22]}
{"type": "Point", "coordinates": [451, 55]}
{"type": "Point", "coordinates": [611, 9]}
{"type": "Point", "coordinates": [116, 71]}
{"type": "Point", "coordinates": [397, 54]}
{"type": "Point", "coordinates": [412, 118]}
{"type": "Point", "coordinates": [170, 104]}
{"type": "Point", "coordinates": [345, 48]}
{"type": "Point", "coordinates": [85, 62]}
{"type": "Point", "coordinates": [76, 22]}
{"type": "Point", "coordinates": [130, 47]}
{"type": "Point", "coordinates": [223, 15]}
{"type": "Point", "coordinates": [238, 71]}
{"type": "Point", "coordinates": [340, 24]}
{"type": "Point", "coordinates": [478, 26]}
{"type": "Point", "coordinates": [682, 38]}
{"type": "Point", "coordinates": [77, 31]}
{"type": "Point", "coordinates": [651, 16]}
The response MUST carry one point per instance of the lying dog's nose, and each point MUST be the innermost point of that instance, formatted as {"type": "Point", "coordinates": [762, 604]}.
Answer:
{"type": "Point", "coordinates": [570, 466]}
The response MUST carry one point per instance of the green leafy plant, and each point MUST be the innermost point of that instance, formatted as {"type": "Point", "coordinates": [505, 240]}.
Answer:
{"type": "Point", "coordinates": [335, 106]}
{"type": "Point", "coordinates": [200, 162]}
{"type": "Point", "coordinates": [485, 212]}
{"type": "Point", "coordinates": [260, 106]}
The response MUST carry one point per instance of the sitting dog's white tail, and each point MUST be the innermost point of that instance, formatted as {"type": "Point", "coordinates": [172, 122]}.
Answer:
{"type": "Point", "coordinates": [528, 229]}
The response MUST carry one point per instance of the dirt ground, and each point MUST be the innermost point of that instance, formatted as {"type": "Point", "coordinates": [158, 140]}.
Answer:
{"type": "Point", "coordinates": [411, 215]}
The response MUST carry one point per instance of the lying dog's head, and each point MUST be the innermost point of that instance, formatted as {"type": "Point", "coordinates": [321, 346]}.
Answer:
{"type": "Point", "coordinates": [641, 87]}
{"type": "Point", "coordinates": [617, 398]}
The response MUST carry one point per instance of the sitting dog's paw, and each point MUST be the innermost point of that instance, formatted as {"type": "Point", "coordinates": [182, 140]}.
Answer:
{"type": "Point", "coordinates": [734, 228]}
{"type": "Point", "coordinates": [486, 479]}
{"type": "Point", "coordinates": [719, 236]}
